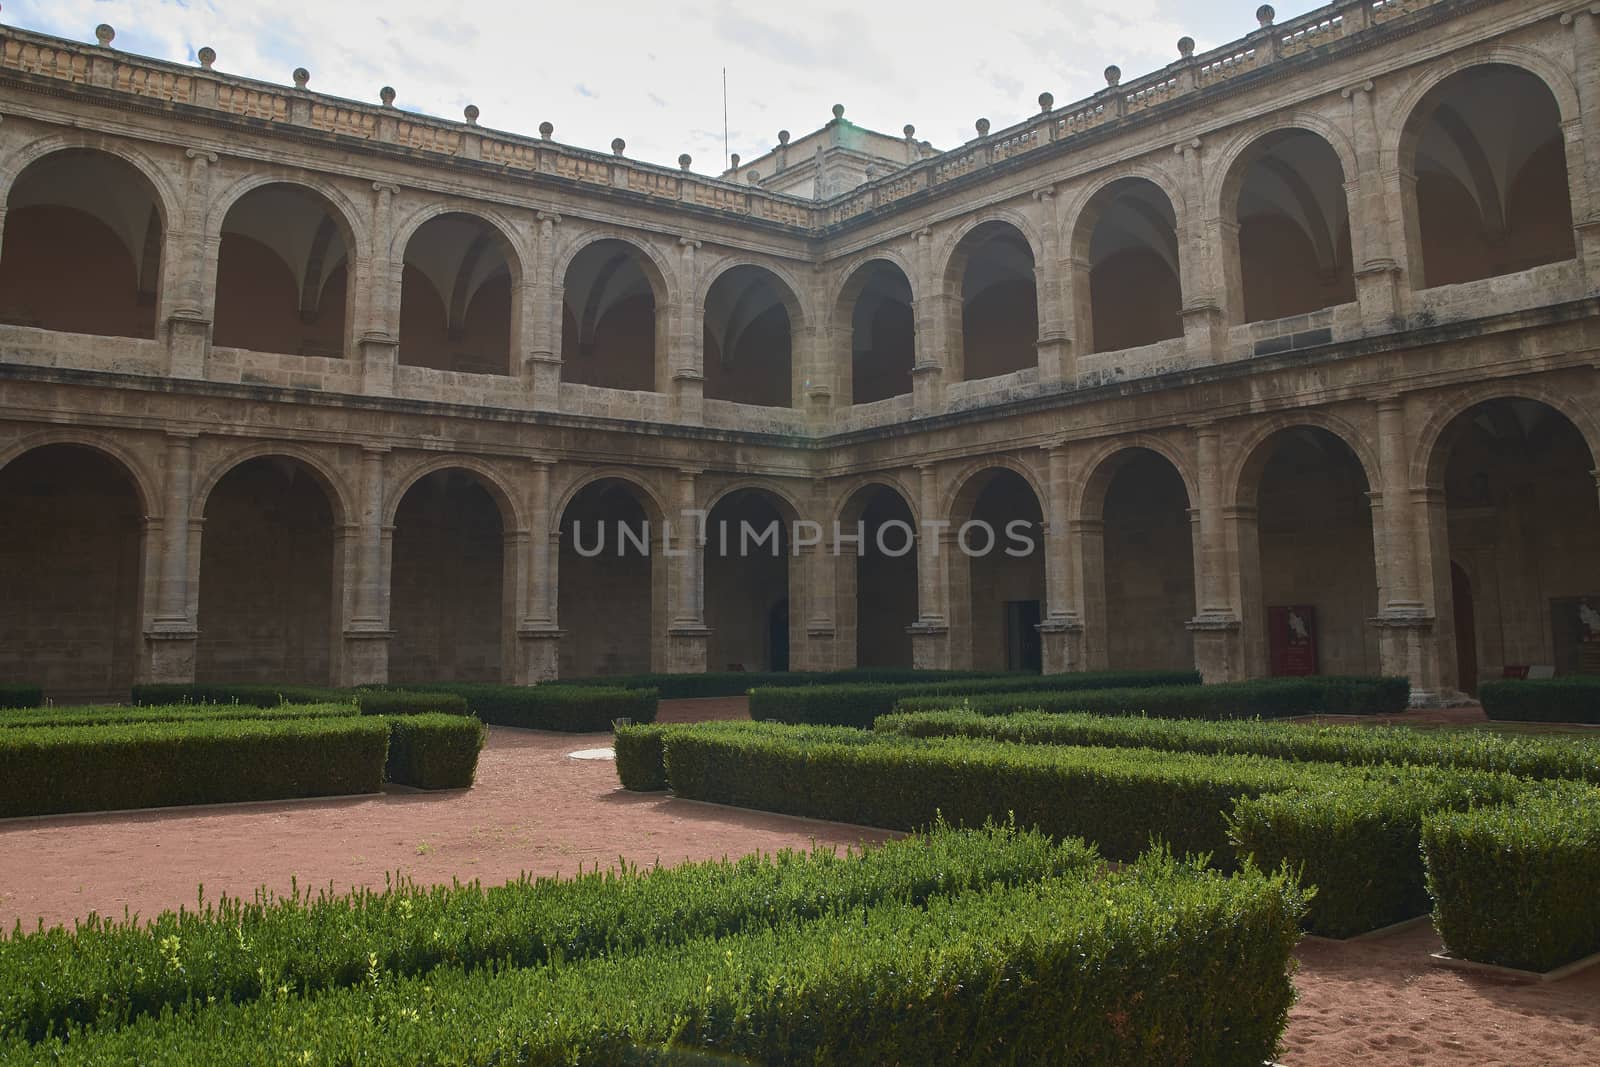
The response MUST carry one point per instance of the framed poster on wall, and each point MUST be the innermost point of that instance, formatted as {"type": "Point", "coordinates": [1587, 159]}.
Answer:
{"type": "Point", "coordinates": [1292, 639]}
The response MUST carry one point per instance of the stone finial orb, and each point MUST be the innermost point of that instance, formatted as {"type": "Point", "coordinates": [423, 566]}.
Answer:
{"type": "Point", "coordinates": [753, 177]}
{"type": "Point", "coordinates": [1046, 102]}
{"type": "Point", "coordinates": [684, 161]}
{"type": "Point", "coordinates": [783, 136]}
{"type": "Point", "coordinates": [1113, 75]}
{"type": "Point", "coordinates": [301, 76]}
{"type": "Point", "coordinates": [618, 145]}
{"type": "Point", "coordinates": [1265, 15]}
{"type": "Point", "coordinates": [105, 34]}
{"type": "Point", "coordinates": [734, 159]}
{"type": "Point", "coordinates": [471, 113]}
{"type": "Point", "coordinates": [1186, 47]}
{"type": "Point", "coordinates": [910, 131]}
{"type": "Point", "coordinates": [546, 130]}
{"type": "Point", "coordinates": [386, 94]}
{"type": "Point", "coordinates": [869, 172]}
{"type": "Point", "coordinates": [838, 111]}
{"type": "Point", "coordinates": [207, 56]}
{"type": "Point", "coordinates": [982, 126]}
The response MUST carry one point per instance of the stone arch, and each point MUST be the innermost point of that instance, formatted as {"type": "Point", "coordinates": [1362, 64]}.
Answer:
{"type": "Point", "coordinates": [1071, 232]}
{"type": "Point", "coordinates": [790, 510]}
{"type": "Point", "coordinates": [651, 498]}
{"type": "Point", "coordinates": [876, 594]}
{"type": "Point", "coordinates": [1428, 458]}
{"type": "Point", "coordinates": [614, 312]}
{"type": "Point", "coordinates": [1101, 467]}
{"type": "Point", "coordinates": [1222, 185]}
{"type": "Point", "coordinates": [788, 292]}
{"type": "Point", "coordinates": [996, 598]}
{"type": "Point", "coordinates": [492, 478]}
{"type": "Point", "coordinates": [461, 275]}
{"type": "Point", "coordinates": [960, 489]}
{"type": "Point", "coordinates": [344, 211]}
{"type": "Point", "coordinates": [1243, 474]}
{"type": "Point", "coordinates": [340, 496]}
{"type": "Point", "coordinates": [754, 592]}
{"type": "Point", "coordinates": [852, 267]}
{"type": "Point", "coordinates": [881, 367]}
{"type": "Point", "coordinates": [1126, 263]}
{"type": "Point", "coordinates": [845, 497]}
{"type": "Point", "coordinates": [1016, 219]}
{"type": "Point", "coordinates": [502, 224]}
{"type": "Point", "coordinates": [168, 199]}
{"type": "Point", "coordinates": [660, 272]}
{"type": "Point", "coordinates": [145, 479]}
{"type": "Point", "coordinates": [751, 322]}
{"type": "Point", "coordinates": [990, 277]}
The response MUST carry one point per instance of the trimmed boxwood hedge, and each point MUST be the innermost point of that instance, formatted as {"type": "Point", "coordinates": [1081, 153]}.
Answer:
{"type": "Point", "coordinates": [1570, 699]}
{"type": "Point", "coordinates": [142, 765]}
{"type": "Point", "coordinates": [109, 971]}
{"type": "Point", "coordinates": [437, 750]}
{"type": "Point", "coordinates": [1484, 750]}
{"type": "Point", "coordinates": [858, 705]}
{"type": "Point", "coordinates": [261, 696]}
{"type": "Point", "coordinates": [554, 706]}
{"type": "Point", "coordinates": [118, 715]}
{"type": "Point", "coordinates": [1263, 698]}
{"type": "Point", "coordinates": [738, 683]}
{"type": "Point", "coordinates": [1159, 964]}
{"type": "Point", "coordinates": [1515, 885]}
{"type": "Point", "coordinates": [18, 695]}
{"type": "Point", "coordinates": [410, 702]}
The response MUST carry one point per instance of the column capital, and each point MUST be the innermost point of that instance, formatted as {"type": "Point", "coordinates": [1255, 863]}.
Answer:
{"type": "Point", "coordinates": [388, 188]}
{"type": "Point", "coordinates": [181, 438]}
{"type": "Point", "coordinates": [201, 156]}
{"type": "Point", "coordinates": [1351, 90]}
{"type": "Point", "coordinates": [1045, 193]}
{"type": "Point", "coordinates": [549, 218]}
{"type": "Point", "coordinates": [375, 451]}
{"type": "Point", "coordinates": [689, 243]}
{"type": "Point", "coordinates": [1188, 147]}
{"type": "Point", "coordinates": [1570, 18]}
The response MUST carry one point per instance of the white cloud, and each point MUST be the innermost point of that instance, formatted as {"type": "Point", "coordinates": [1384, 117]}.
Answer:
{"type": "Point", "coordinates": [652, 74]}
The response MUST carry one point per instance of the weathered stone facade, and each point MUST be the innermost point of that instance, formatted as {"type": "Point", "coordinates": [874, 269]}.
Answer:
{"type": "Point", "coordinates": [297, 388]}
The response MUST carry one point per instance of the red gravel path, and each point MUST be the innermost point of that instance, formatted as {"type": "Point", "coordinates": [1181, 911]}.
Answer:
{"type": "Point", "coordinates": [1372, 1003]}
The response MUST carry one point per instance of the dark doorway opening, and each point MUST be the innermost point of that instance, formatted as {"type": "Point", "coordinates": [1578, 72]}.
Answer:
{"type": "Point", "coordinates": [778, 635]}
{"type": "Point", "coordinates": [1024, 650]}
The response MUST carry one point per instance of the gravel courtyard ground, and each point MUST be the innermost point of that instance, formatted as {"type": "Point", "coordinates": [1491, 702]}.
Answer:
{"type": "Point", "coordinates": [534, 809]}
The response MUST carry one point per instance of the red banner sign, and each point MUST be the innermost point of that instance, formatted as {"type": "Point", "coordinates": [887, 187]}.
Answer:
{"type": "Point", "coordinates": [1292, 635]}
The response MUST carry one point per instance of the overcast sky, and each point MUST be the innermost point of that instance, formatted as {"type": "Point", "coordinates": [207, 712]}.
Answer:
{"type": "Point", "coordinates": [651, 72]}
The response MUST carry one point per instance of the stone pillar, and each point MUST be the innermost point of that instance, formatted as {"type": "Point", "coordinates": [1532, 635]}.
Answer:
{"type": "Point", "coordinates": [379, 342]}
{"type": "Point", "coordinates": [539, 636]}
{"type": "Point", "coordinates": [189, 325]}
{"type": "Point", "coordinates": [813, 589]}
{"type": "Point", "coordinates": [1377, 272]}
{"type": "Point", "coordinates": [1089, 549]}
{"type": "Point", "coordinates": [1221, 589]}
{"type": "Point", "coordinates": [171, 639]}
{"type": "Point", "coordinates": [1405, 621]}
{"type": "Point", "coordinates": [930, 634]}
{"type": "Point", "coordinates": [1585, 24]}
{"type": "Point", "coordinates": [541, 369]}
{"type": "Point", "coordinates": [1061, 630]}
{"type": "Point", "coordinates": [1052, 279]}
{"type": "Point", "coordinates": [928, 371]}
{"type": "Point", "coordinates": [1205, 287]}
{"type": "Point", "coordinates": [687, 355]}
{"type": "Point", "coordinates": [683, 546]}
{"type": "Point", "coordinates": [366, 600]}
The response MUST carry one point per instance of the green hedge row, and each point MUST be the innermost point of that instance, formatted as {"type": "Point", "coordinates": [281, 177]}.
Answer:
{"type": "Point", "coordinates": [109, 972]}
{"type": "Point", "coordinates": [738, 683]}
{"type": "Point", "coordinates": [260, 696]}
{"type": "Point", "coordinates": [118, 715]}
{"type": "Point", "coordinates": [434, 750]}
{"type": "Point", "coordinates": [18, 695]}
{"type": "Point", "coordinates": [553, 706]}
{"type": "Point", "coordinates": [410, 702]}
{"type": "Point", "coordinates": [1263, 698]}
{"type": "Point", "coordinates": [1484, 750]}
{"type": "Point", "coordinates": [144, 765]}
{"type": "Point", "coordinates": [1158, 964]}
{"type": "Point", "coordinates": [859, 705]}
{"type": "Point", "coordinates": [1515, 885]}
{"type": "Point", "coordinates": [1570, 699]}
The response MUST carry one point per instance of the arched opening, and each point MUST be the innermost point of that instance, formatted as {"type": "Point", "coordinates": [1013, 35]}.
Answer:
{"type": "Point", "coordinates": [1523, 519]}
{"type": "Point", "coordinates": [992, 269]}
{"type": "Point", "coordinates": [611, 335]}
{"type": "Point", "coordinates": [997, 571]}
{"type": "Point", "coordinates": [748, 344]}
{"type": "Point", "coordinates": [456, 297]}
{"type": "Point", "coordinates": [71, 537]}
{"type": "Point", "coordinates": [1317, 570]}
{"type": "Point", "coordinates": [283, 274]}
{"type": "Point", "coordinates": [82, 249]}
{"type": "Point", "coordinates": [1466, 630]}
{"type": "Point", "coordinates": [1287, 195]}
{"type": "Point", "coordinates": [1128, 238]}
{"type": "Point", "coordinates": [448, 601]}
{"type": "Point", "coordinates": [877, 578]}
{"type": "Point", "coordinates": [746, 579]}
{"type": "Point", "coordinates": [882, 335]}
{"type": "Point", "coordinates": [1147, 564]}
{"type": "Point", "coordinates": [1488, 157]}
{"type": "Point", "coordinates": [609, 588]}
{"type": "Point", "coordinates": [267, 576]}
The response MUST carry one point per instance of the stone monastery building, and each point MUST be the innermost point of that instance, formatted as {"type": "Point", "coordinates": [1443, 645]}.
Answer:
{"type": "Point", "coordinates": [1290, 352]}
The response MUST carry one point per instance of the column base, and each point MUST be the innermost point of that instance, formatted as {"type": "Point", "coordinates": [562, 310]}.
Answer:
{"type": "Point", "coordinates": [1218, 647]}
{"type": "Point", "coordinates": [1056, 361]}
{"type": "Point", "coordinates": [170, 656]}
{"type": "Point", "coordinates": [538, 654]}
{"type": "Point", "coordinates": [1062, 640]}
{"type": "Point", "coordinates": [686, 649]}
{"type": "Point", "coordinates": [688, 397]}
{"type": "Point", "coordinates": [542, 378]}
{"type": "Point", "coordinates": [930, 645]}
{"type": "Point", "coordinates": [1205, 333]}
{"type": "Point", "coordinates": [1407, 647]}
{"type": "Point", "coordinates": [1378, 295]}
{"type": "Point", "coordinates": [188, 344]}
{"type": "Point", "coordinates": [819, 649]}
{"type": "Point", "coordinates": [366, 658]}
{"type": "Point", "coordinates": [379, 356]}
{"type": "Point", "coordinates": [927, 389]}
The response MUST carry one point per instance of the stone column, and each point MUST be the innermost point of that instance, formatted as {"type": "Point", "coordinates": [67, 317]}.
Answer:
{"type": "Point", "coordinates": [171, 639]}
{"type": "Point", "coordinates": [189, 325]}
{"type": "Point", "coordinates": [1220, 587]}
{"type": "Point", "coordinates": [539, 636]}
{"type": "Point", "coordinates": [1585, 24]}
{"type": "Point", "coordinates": [1089, 549]}
{"type": "Point", "coordinates": [541, 370]}
{"type": "Point", "coordinates": [1061, 630]}
{"type": "Point", "coordinates": [928, 371]}
{"type": "Point", "coordinates": [1051, 280]}
{"type": "Point", "coordinates": [930, 634]}
{"type": "Point", "coordinates": [1205, 286]}
{"type": "Point", "coordinates": [812, 589]}
{"type": "Point", "coordinates": [687, 356]}
{"type": "Point", "coordinates": [379, 342]}
{"type": "Point", "coordinates": [1377, 272]}
{"type": "Point", "coordinates": [366, 601]}
{"type": "Point", "coordinates": [1406, 621]}
{"type": "Point", "coordinates": [683, 545]}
